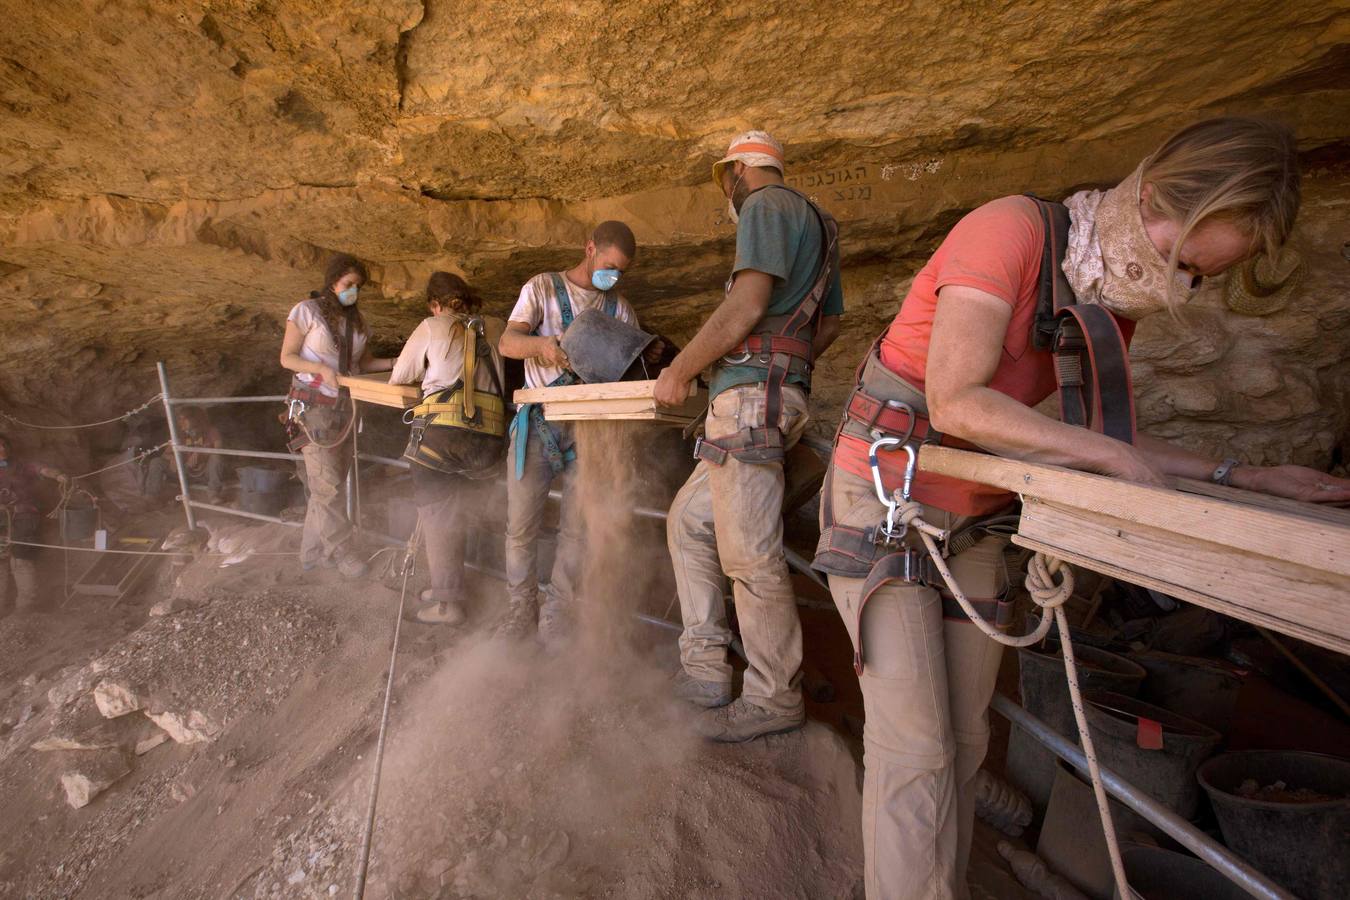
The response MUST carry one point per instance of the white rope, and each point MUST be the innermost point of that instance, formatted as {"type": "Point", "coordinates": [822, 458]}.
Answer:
{"type": "Point", "coordinates": [1050, 596]}
{"type": "Point", "coordinates": [123, 417]}
{"type": "Point", "coordinates": [5, 540]}
{"type": "Point", "coordinates": [126, 462]}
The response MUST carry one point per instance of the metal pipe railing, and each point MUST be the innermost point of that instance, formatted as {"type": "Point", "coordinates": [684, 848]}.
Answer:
{"type": "Point", "coordinates": [197, 504]}
{"type": "Point", "coordinates": [221, 401]}
{"type": "Point", "coordinates": [177, 447]}
{"type": "Point", "coordinates": [228, 451]}
{"type": "Point", "coordinates": [1202, 845]}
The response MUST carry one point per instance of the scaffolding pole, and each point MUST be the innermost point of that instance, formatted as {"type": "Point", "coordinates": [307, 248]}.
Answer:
{"type": "Point", "coordinates": [177, 448]}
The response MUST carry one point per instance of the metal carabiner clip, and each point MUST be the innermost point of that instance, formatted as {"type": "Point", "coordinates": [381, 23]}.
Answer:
{"type": "Point", "coordinates": [741, 358]}
{"type": "Point", "coordinates": [297, 409]}
{"type": "Point", "coordinates": [890, 530]}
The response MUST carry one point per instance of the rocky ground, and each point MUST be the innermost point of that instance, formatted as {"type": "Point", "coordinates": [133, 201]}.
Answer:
{"type": "Point", "coordinates": [223, 747]}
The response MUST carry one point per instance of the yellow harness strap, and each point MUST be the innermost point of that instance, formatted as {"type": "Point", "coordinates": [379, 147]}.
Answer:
{"type": "Point", "coordinates": [470, 360]}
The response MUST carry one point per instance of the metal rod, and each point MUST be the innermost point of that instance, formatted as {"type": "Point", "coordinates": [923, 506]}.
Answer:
{"type": "Point", "coordinates": [257, 454]}
{"type": "Point", "coordinates": [384, 460]}
{"type": "Point", "coordinates": [1308, 673]}
{"type": "Point", "coordinates": [800, 563]}
{"type": "Point", "coordinates": [177, 448]}
{"type": "Point", "coordinates": [229, 510]}
{"type": "Point", "coordinates": [219, 401]}
{"type": "Point", "coordinates": [1186, 834]}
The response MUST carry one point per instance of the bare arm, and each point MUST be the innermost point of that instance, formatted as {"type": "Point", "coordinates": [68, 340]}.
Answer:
{"type": "Point", "coordinates": [518, 343]}
{"type": "Point", "coordinates": [725, 329]}
{"type": "Point", "coordinates": [291, 358]}
{"type": "Point", "coordinates": [967, 341]}
{"type": "Point", "coordinates": [372, 363]}
{"type": "Point", "coordinates": [964, 353]}
{"type": "Point", "coordinates": [826, 332]}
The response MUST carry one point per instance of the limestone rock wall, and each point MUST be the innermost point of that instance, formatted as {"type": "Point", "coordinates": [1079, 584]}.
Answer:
{"type": "Point", "coordinates": [173, 172]}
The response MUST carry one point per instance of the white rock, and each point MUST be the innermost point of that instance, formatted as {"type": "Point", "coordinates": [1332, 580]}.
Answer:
{"type": "Point", "coordinates": [194, 727]}
{"type": "Point", "coordinates": [91, 775]}
{"type": "Point", "coordinates": [115, 698]}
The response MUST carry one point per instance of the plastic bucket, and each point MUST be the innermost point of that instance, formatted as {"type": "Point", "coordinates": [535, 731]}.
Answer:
{"type": "Point", "coordinates": [1120, 731]}
{"type": "Point", "coordinates": [262, 479]}
{"type": "Point", "coordinates": [263, 503]}
{"type": "Point", "coordinates": [1305, 846]}
{"type": "Point", "coordinates": [1158, 874]}
{"type": "Point", "coordinates": [1045, 694]}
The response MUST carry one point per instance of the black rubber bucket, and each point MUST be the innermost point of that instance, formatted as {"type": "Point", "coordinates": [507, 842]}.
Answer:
{"type": "Point", "coordinates": [262, 479]}
{"type": "Point", "coordinates": [78, 521]}
{"type": "Point", "coordinates": [1205, 690]}
{"type": "Point", "coordinates": [1166, 774]}
{"type": "Point", "coordinates": [263, 503]}
{"type": "Point", "coordinates": [1158, 874]}
{"type": "Point", "coordinates": [1303, 846]}
{"type": "Point", "coordinates": [1045, 694]}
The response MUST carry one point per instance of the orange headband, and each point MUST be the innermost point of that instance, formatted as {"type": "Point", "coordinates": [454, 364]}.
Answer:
{"type": "Point", "coordinates": [766, 149]}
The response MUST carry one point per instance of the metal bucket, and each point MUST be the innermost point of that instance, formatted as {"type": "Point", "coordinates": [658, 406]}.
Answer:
{"type": "Point", "coordinates": [1303, 846]}
{"type": "Point", "coordinates": [1166, 774]}
{"type": "Point", "coordinates": [1158, 874]}
{"type": "Point", "coordinates": [601, 348]}
{"type": "Point", "coordinates": [1072, 841]}
{"type": "Point", "coordinates": [1045, 694]}
{"type": "Point", "coordinates": [263, 503]}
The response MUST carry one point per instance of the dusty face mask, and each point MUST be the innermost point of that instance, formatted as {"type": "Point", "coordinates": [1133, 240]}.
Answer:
{"type": "Point", "coordinates": [1110, 259]}
{"type": "Point", "coordinates": [733, 211]}
{"type": "Point", "coordinates": [347, 297]}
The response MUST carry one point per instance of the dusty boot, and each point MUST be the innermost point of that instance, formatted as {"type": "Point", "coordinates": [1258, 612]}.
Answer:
{"type": "Point", "coordinates": [521, 619]}
{"type": "Point", "coordinates": [743, 720]}
{"type": "Point", "coordinates": [352, 566]}
{"type": "Point", "coordinates": [441, 608]}
{"type": "Point", "coordinates": [555, 624]}
{"type": "Point", "coordinates": [707, 694]}
{"type": "Point", "coordinates": [26, 583]}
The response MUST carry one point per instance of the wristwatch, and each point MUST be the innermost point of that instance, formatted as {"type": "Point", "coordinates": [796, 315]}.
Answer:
{"type": "Point", "coordinates": [1224, 473]}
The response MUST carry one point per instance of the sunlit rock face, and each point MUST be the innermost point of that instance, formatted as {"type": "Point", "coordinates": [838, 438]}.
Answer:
{"type": "Point", "coordinates": [172, 174]}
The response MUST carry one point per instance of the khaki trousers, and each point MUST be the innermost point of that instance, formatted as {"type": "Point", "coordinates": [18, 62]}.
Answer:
{"type": "Point", "coordinates": [25, 591]}
{"type": "Point", "coordinates": [327, 530]}
{"type": "Point", "coordinates": [526, 500]}
{"type": "Point", "coordinates": [728, 519]}
{"type": "Point", "coordinates": [926, 685]}
{"type": "Point", "coordinates": [445, 529]}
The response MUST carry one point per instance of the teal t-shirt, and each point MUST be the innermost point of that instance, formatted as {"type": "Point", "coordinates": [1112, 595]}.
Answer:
{"type": "Point", "coordinates": [779, 234]}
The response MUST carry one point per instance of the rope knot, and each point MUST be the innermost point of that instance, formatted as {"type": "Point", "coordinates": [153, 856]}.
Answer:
{"type": "Point", "coordinates": [908, 512]}
{"type": "Point", "coordinates": [1041, 583]}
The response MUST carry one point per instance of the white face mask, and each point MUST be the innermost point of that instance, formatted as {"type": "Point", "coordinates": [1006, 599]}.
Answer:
{"type": "Point", "coordinates": [732, 213]}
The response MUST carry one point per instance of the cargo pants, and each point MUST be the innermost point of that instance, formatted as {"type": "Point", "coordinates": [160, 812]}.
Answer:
{"type": "Point", "coordinates": [327, 532]}
{"type": "Point", "coordinates": [926, 684]}
{"type": "Point", "coordinates": [526, 501]}
{"type": "Point", "coordinates": [729, 519]}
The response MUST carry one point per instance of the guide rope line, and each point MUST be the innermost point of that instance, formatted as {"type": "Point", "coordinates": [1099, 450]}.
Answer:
{"type": "Point", "coordinates": [903, 513]}
{"type": "Point", "coordinates": [409, 558]}
{"type": "Point", "coordinates": [122, 418]}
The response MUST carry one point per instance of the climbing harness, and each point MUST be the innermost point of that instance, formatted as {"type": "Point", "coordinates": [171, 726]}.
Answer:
{"type": "Point", "coordinates": [904, 513]}
{"type": "Point", "coordinates": [531, 415]}
{"type": "Point", "coordinates": [782, 345]}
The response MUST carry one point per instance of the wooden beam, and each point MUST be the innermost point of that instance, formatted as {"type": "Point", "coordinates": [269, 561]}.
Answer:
{"type": "Point", "coordinates": [1306, 603]}
{"type": "Point", "coordinates": [375, 388]}
{"type": "Point", "coordinates": [1307, 539]}
{"type": "Point", "coordinates": [619, 400]}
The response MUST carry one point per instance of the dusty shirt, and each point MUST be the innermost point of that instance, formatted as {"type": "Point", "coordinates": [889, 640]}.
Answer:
{"type": "Point", "coordinates": [19, 486]}
{"type": "Point", "coordinates": [319, 345]}
{"type": "Point", "coordinates": [997, 249]}
{"type": "Point", "coordinates": [538, 308]}
{"type": "Point", "coordinates": [435, 354]}
{"type": "Point", "coordinates": [780, 235]}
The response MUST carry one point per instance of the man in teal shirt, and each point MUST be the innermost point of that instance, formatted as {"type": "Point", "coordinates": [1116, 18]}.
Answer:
{"type": "Point", "coordinates": [781, 312]}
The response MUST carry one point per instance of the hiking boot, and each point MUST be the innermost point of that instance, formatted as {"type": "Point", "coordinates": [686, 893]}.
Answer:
{"type": "Point", "coordinates": [555, 625]}
{"type": "Point", "coordinates": [320, 562]}
{"type": "Point", "coordinates": [521, 620]}
{"type": "Point", "coordinates": [352, 566]}
{"type": "Point", "coordinates": [743, 721]}
{"type": "Point", "coordinates": [707, 694]}
{"type": "Point", "coordinates": [439, 612]}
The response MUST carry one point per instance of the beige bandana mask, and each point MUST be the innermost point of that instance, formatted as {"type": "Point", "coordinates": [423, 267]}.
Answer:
{"type": "Point", "coordinates": [1110, 260]}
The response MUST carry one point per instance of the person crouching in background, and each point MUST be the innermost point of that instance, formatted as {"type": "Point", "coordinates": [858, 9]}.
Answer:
{"type": "Point", "coordinates": [458, 432]}
{"type": "Point", "coordinates": [196, 430]}
{"type": "Point", "coordinates": [20, 520]}
{"type": "Point", "coordinates": [326, 336]}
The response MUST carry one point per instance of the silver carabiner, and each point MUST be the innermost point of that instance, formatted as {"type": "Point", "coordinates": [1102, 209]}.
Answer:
{"type": "Point", "coordinates": [890, 529]}
{"type": "Point", "coordinates": [297, 409]}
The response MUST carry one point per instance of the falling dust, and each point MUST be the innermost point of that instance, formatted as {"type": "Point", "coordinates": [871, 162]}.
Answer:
{"type": "Point", "coordinates": [514, 771]}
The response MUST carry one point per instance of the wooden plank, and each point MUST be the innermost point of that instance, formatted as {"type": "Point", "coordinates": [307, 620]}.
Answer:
{"type": "Point", "coordinates": [622, 400]}
{"type": "Point", "coordinates": [375, 388]}
{"type": "Point", "coordinates": [1304, 540]}
{"type": "Point", "coordinates": [1304, 602]}
{"type": "Point", "coordinates": [1318, 511]}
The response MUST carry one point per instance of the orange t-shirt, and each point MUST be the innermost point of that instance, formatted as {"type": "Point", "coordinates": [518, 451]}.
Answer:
{"type": "Point", "coordinates": [997, 249]}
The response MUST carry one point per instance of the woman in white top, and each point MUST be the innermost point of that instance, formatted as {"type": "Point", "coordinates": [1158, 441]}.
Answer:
{"type": "Point", "coordinates": [326, 336]}
{"type": "Point", "coordinates": [458, 431]}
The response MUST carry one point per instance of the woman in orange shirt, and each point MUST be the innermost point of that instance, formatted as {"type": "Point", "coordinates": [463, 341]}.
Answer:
{"type": "Point", "coordinates": [960, 354]}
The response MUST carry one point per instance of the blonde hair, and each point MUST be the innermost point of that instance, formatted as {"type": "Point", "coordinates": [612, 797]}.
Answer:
{"type": "Point", "coordinates": [1242, 170]}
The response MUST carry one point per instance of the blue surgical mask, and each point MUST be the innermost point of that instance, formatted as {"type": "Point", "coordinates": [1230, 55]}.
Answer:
{"type": "Point", "coordinates": [604, 279]}
{"type": "Point", "coordinates": [347, 297]}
